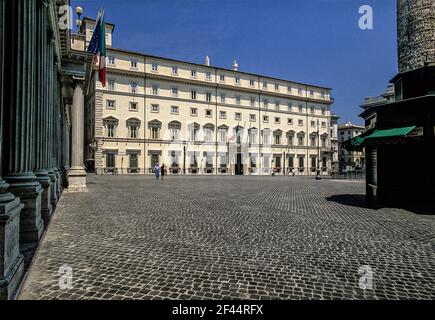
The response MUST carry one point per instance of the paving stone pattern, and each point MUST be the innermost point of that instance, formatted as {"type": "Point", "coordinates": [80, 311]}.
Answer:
{"type": "Point", "coordinates": [132, 237]}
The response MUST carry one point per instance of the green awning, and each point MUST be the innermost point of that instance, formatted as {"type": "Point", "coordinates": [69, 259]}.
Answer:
{"type": "Point", "coordinates": [357, 141]}
{"type": "Point", "coordinates": [390, 133]}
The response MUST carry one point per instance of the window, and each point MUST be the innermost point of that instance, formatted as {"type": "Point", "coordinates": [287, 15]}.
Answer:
{"type": "Point", "coordinates": [133, 87]}
{"type": "Point", "coordinates": [252, 102]}
{"type": "Point", "coordinates": [208, 96]}
{"type": "Point", "coordinates": [313, 123]}
{"type": "Point", "coordinates": [237, 80]}
{"type": "Point", "coordinates": [174, 70]}
{"type": "Point", "coordinates": [251, 82]}
{"type": "Point", "coordinates": [322, 95]}
{"type": "Point", "coordinates": [208, 75]}
{"type": "Point", "coordinates": [133, 64]}
{"type": "Point", "coordinates": [290, 138]}
{"type": "Point", "coordinates": [223, 114]}
{"type": "Point", "coordinates": [265, 118]}
{"type": "Point", "coordinates": [313, 140]}
{"type": "Point", "coordinates": [301, 162]}
{"type": "Point", "coordinates": [289, 107]}
{"type": "Point", "coordinates": [300, 91]}
{"type": "Point", "coordinates": [174, 91]}
{"type": "Point", "coordinates": [193, 94]}
{"type": "Point", "coordinates": [111, 85]}
{"type": "Point", "coordinates": [133, 129]}
{"type": "Point", "coordinates": [265, 103]}
{"type": "Point", "coordinates": [300, 122]}
{"type": "Point", "coordinates": [154, 133]}
{"type": "Point", "coordinates": [222, 97]}
{"type": "Point", "coordinates": [323, 142]}
{"type": "Point", "coordinates": [253, 136]}
{"type": "Point", "coordinates": [155, 89]}
{"type": "Point", "coordinates": [193, 73]}
{"type": "Point", "coordinates": [133, 160]}
{"type": "Point", "coordinates": [301, 108]}
{"type": "Point", "coordinates": [238, 116]}
{"type": "Point", "coordinates": [276, 86]}
{"type": "Point", "coordinates": [238, 99]}
{"type": "Point", "coordinates": [208, 113]}
{"type": "Point", "coordinates": [110, 130]}
{"type": "Point", "coordinates": [277, 120]}
{"type": "Point", "coordinates": [290, 121]}
{"type": "Point", "coordinates": [252, 117]}
{"type": "Point", "coordinates": [110, 160]}
{"type": "Point", "coordinates": [289, 89]}
{"type": "Point", "coordinates": [312, 109]}
{"type": "Point", "coordinates": [175, 133]}
{"type": "Point", "coordinates": [133, 106]}
{"type": "Point", "coordinates": [277, 105]}
{"type": "Point", "coordinates": [208, 135]}
{"type": "Point", "coordinates": [154, 67]}
{"type": "Point", "coordinates": [222, 135]}
{"type": "Point", "coordinates": [174, 109]}
{"type": "Point", "coordinates": [300, 140]}
{"type": "Point", "coordinates": [313, 162]}
{"type": "Point", "coordinates": [323, 124]}
{"type": "Point", "coordinates": [222, 77]}
{"type": "Point", "coordinates": [277, 137]}
{"type": "Point", "coordinates": [264, 85]}
{"type": "Point", "coordinates": [266, 136]}
{"type": "Point", "coordinates": [155, 108]}
{"type": "Point", "coordinates": [311, 93]}
{"type": "Point", "coordinates": [111, 60]}
{"type": "Point", "coordinates": [110, 104]}
{"type": "Point", "coordinates": [193, 133]}
{"type": "Point", "coordinates": [323, 111]}
{"type": "Point", "coordinates": [194, 112]}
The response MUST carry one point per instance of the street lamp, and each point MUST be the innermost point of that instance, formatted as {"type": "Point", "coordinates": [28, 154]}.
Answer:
{"type": "Point", "coordinates": [318, 153]}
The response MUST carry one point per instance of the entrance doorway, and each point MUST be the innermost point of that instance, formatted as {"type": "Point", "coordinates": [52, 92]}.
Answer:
{"type": "Point", "coordinates": [239, 165]}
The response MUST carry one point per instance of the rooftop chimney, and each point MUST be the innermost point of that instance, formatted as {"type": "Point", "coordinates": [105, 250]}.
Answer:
{"type": "Point", "coordinates": [235, 65]}
{"type": "Point", "coordinates": [207, 61]}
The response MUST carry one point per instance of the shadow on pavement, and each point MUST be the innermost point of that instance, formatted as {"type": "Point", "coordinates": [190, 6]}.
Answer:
{"type": "Point", "coordinates": [359, 200]}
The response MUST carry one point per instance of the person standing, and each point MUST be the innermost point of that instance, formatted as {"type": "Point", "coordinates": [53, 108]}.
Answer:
{"type": "Point", "coordinates": [156, 171]}
{"type": "Point", "coordinates": [163, 170]}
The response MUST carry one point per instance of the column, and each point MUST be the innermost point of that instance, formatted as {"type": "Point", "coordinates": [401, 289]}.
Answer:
{"type": "Point", "coordinates": [11, 260]}
{"type": "Point", "coordinates": [77, 173]}
{"type": "Point", "coordinates": [50, 121]}
{"type": "Point", "coordinates": [42, 96]}
{"type": "Point", "coordinates": [19, 115]}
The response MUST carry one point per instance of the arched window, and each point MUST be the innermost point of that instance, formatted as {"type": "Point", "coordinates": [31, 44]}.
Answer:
{"type": "Point", "coordinates": [290, 138]}
{"type": "Point", "coordinates": [222, 133]}
{"type": "Point", "coordinates": [193, 129]}
{"type": "Point", "coordinates": [208, 132]}
{"type": "Point", "coordinates": [253, 135]}
{"type": "Point", "coordinates": [133, 125]}
{"type": "Point", "coordinates": [301, 137]}
{"type": "Point", "coordinates": [110, 123]}
{"type": "Point", "coordinates": [265, 133]}
{"type": "Point", "coordinates": [277, 137]}
{"type": "Point", "coordinates": [174, 130]}
{"type": "Point", "coordinates": [155, 126]}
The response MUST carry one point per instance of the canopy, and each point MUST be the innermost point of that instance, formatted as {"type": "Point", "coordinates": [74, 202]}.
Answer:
{"type": "Point", "coordinates": [390, 133]}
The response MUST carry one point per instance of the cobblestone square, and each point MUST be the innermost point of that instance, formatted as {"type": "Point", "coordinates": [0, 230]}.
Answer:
{"type": "Point", "coordinates": [227, 237]}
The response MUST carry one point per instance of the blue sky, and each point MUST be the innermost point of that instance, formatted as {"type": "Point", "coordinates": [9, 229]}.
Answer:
{"type": "Point", "coordinates": [313, 41]}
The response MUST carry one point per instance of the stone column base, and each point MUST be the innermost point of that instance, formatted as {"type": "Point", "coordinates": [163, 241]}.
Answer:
{"type": "Point", "coordinates": [46, 207]}
{"type": "Point", "coordinates": [12, 261]}
{"type": "Point", "coordinates": [53, 196]}
{"type": "Point", "coordinates": [77, 180]}
{"type": "Point", "coordinates": [31, 223]}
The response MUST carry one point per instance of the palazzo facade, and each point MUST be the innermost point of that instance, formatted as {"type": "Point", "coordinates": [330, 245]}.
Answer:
{"type": "Point", "coordinates": [200, 119]}
{"type": "Point", "coordinates": [41, 127]}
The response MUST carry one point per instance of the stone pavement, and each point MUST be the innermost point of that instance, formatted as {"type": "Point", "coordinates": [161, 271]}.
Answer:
{"type": "Point", "coordinates": [131, 237]}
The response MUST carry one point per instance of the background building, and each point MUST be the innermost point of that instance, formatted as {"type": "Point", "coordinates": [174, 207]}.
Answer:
{"type": "Point", "coordinates": [334, 143]}
{"type": "Point", "coordinates": [197, 118]}
{"type": "Point", "coordinates": [350, 159]}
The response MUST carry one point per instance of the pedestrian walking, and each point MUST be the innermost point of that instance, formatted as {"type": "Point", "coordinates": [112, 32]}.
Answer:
{"type": "Point", "coordinates": [293, 172]}
{"type": "Point", "coordinates": [163, 170]}
{"type": "Point", "coordinates": [156, 171]}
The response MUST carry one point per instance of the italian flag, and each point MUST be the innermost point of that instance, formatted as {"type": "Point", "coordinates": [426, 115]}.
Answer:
{"type": "Point", "coordinates": [97, 46]}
